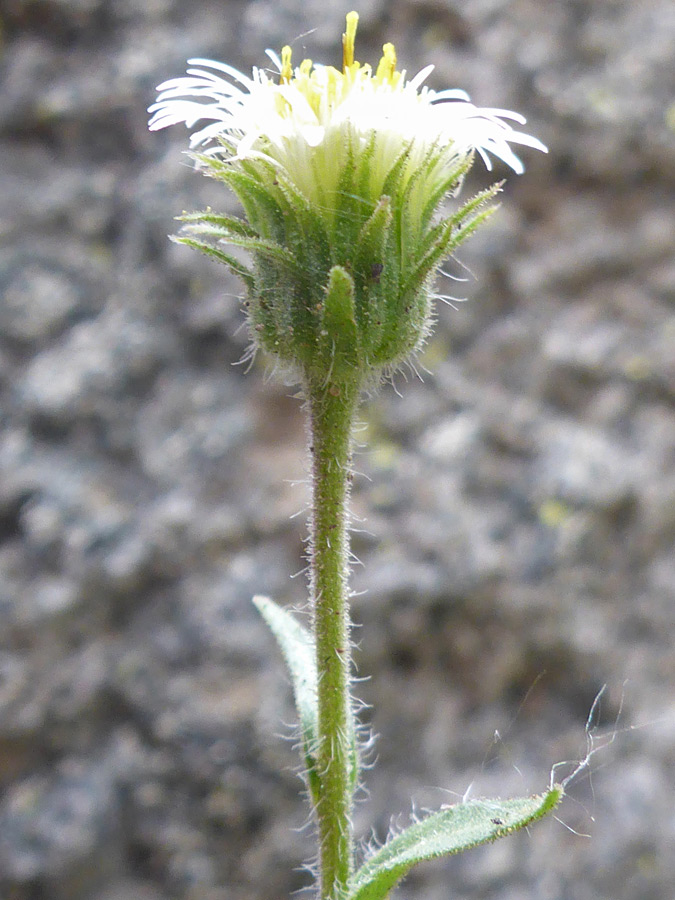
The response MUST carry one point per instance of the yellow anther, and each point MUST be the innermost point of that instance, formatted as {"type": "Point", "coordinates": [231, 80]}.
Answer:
{"type": "Point", "coordinates": [286, 68]}
{"type": "Point", "coordinates": [348, 39]}
{"type": "Point", "coordinates": [387, 65]}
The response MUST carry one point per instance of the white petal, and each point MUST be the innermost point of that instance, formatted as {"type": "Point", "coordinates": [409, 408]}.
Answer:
{"type": "Point", "coordinates": [421, 77]}
{"type": "Point", "coordinates": [222, 67]}
{"type": "Point", "coordinates": [275, 59]}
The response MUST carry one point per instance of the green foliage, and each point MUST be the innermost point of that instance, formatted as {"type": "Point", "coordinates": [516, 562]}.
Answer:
{"type": "Point", "coordinates": [239, 268]}
{"type": "Point", "coordinates": [338, 320]}
{"type": "Point", "coordinates": [340, 283]}
{"type": "Point", "coordinates": [449, 831]}
{"type": "Point", "coordinates": [297, 647]}
{"type": "Point", "coordinates": [456, 828]}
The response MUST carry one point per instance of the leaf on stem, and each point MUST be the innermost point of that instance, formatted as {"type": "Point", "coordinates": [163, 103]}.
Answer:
{"type": "Point", "coordinates": [297, 648]}
{"type": "Point", "coordinates": [451, 830]}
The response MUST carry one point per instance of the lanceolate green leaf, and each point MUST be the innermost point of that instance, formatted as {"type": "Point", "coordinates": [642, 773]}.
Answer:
{"type": "Point", "coordinates": [224, 225]}
{"type": "Point", "coordinates": [459, 827]}
{"type": "Point", "coordinates": [237, 266]}
{"type": "Point", "coordinates": [297, 648]}
{"type": "Point", "coordinates": [466, 229]}
{"type": "Point", "coordinates": [260, 204]}
{"type": "Point", "coordinates": [468, 211]}
{"type": "Point", "coordinates": [339, 318]}
{"type": "Point", "coordinates": [268, 250]}
{"type": "Point", "coordinates": [446, 186]}
{"type": "Point", "coordinates": [392, 183]}
{"type": "Point", "coordinates": [370, 255]}
{"type": "Point", "coordinates": [444, 238]}
{"type": "Point", "coordinates": [474, 210]}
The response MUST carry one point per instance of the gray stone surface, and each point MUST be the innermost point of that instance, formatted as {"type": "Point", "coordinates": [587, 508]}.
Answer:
{"type": "Point", "coordinates": [518, 512]}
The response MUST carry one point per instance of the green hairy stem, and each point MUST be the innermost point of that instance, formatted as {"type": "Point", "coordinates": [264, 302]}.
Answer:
{"type": "Point", "coordinates": [331, 413]}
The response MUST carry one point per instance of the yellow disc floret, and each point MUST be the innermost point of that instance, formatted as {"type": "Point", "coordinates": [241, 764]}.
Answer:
{"type": "Point", "coordinates": [348, 39]}
{"type": "Point", "coordinates": [386, 70]}
{"type": "Point", "coordinates": [286, 68]}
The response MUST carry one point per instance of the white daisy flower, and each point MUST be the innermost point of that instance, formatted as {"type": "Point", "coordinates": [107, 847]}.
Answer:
{"type": "Point", "coordinates": [299, 118]}
{"type": "Point", "coordinates": [340, 175]}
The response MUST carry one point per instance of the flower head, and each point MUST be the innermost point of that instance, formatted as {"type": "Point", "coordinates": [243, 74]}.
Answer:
{"type": "Point", "coordinates": [330, 165]}
{"type": "Point", "coordinates": [308, 110]}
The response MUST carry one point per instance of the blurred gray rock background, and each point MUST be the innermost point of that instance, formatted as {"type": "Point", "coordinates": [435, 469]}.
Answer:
{"type": "Point", "coordinates": [519, 504]}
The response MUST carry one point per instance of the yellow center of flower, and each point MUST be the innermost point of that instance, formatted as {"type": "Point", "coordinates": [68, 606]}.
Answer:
{"type": "Point", "coordinates": [330, 85]}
